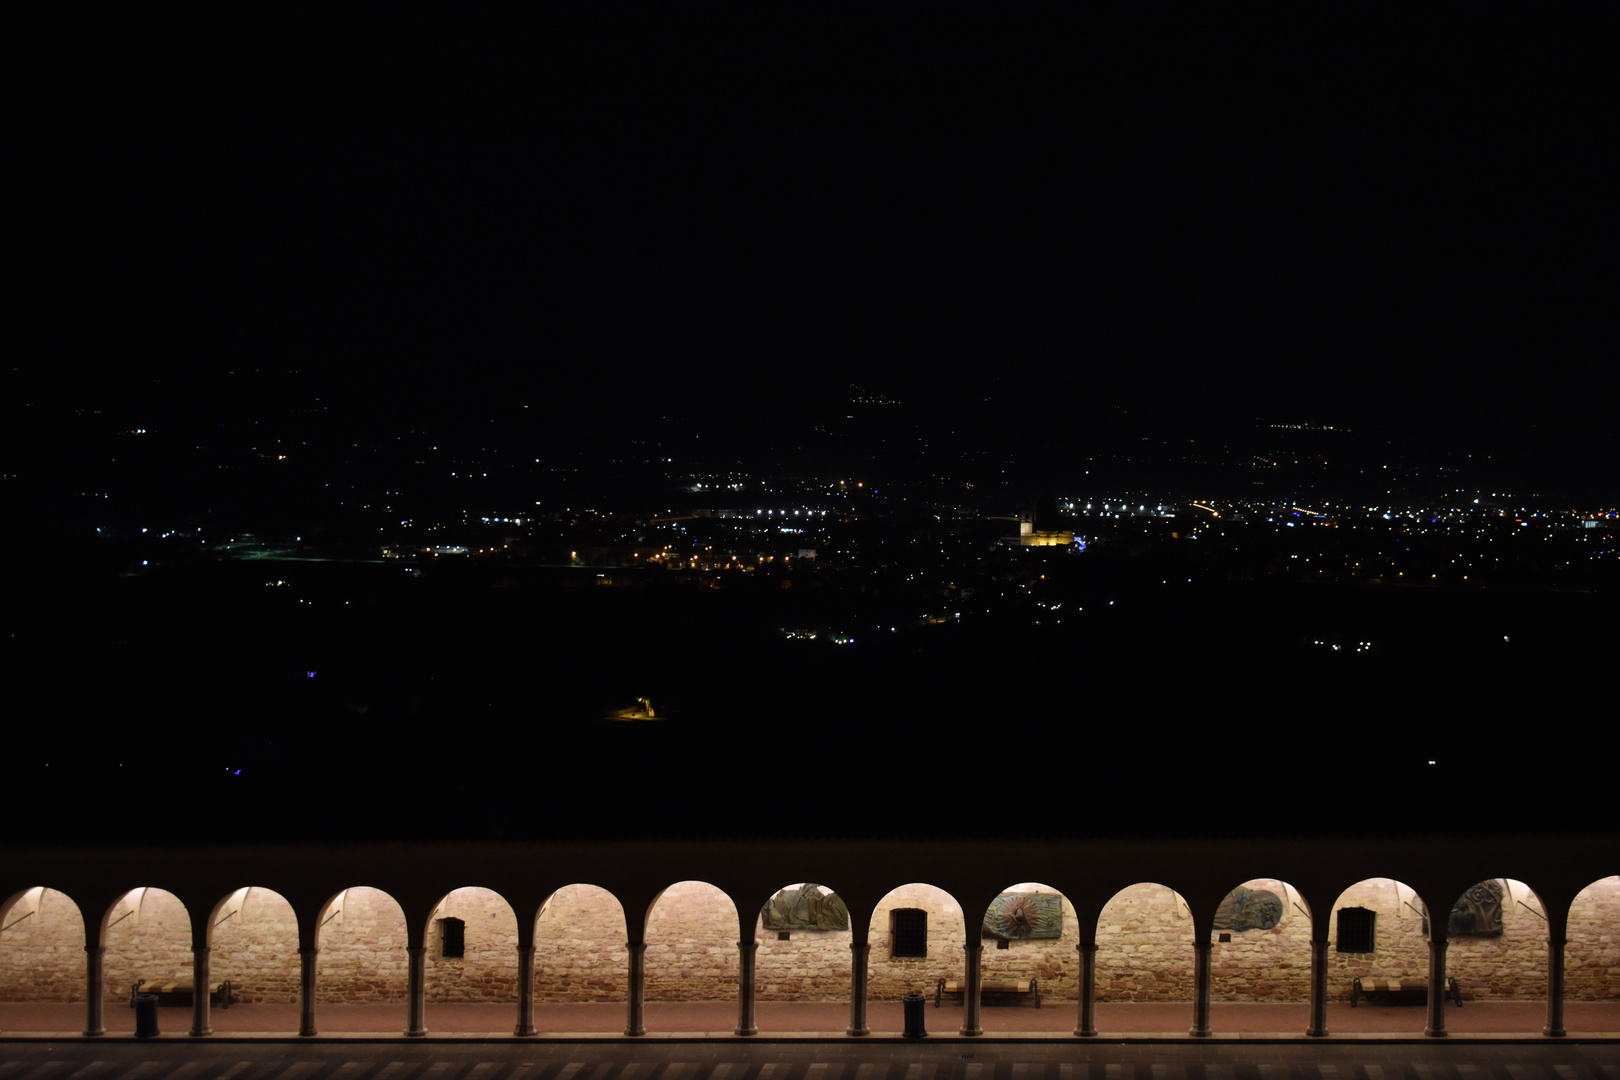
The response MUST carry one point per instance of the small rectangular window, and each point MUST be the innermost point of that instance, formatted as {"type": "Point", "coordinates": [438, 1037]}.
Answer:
{"type": "Point", "coordinates": [1355, 930]}
{"type": "Point", "coordinates": [908, 933]}
{"type": "Point", "coordinates": [452, 938]}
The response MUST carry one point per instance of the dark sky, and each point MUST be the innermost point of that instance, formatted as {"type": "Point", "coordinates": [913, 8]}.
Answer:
{"type": "Point", "coordinates": [720, 214]}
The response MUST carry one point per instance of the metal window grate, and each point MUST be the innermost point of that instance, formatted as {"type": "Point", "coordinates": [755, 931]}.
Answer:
{"type": "Point", "coordinates": [452, 938]}
{"type": "Point", "coordinates": [908, 933]}
{"type": "Point", "coordinates": [1355, 930]}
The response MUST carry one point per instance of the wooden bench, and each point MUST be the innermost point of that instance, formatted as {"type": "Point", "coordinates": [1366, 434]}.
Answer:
{"type": "Point", "coordinates": [990, 986]}
{"type": "Point", "coordinates": [178, 992]}
{"type": "Point", "coordinates": [1406, 987]}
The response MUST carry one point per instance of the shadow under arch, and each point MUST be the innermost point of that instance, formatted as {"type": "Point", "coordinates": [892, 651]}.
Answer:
{"type": "Point", "coordinates": [691, 949]}
{"type": "Point", "coordinates": [361, 938]}
{"type": "Point", "coordinates": [41, 946]}
{"type": "Point", "coordinates": [804, 935]}
{"type": "Point", "coordinates": [580, 951]}
{"type": "Point", "coordinates": [1261, 944]}
{"type": "Point", "coordinates": [1145, 935]}
{"type": "Point", "coordinates": [146, 934]}
{"type": "Point", "coordinates": [1384, 937]}
{"type": "Point", "coordinates": [252, 935]}
{"type": "Point", "coordinates": [1592, 955]}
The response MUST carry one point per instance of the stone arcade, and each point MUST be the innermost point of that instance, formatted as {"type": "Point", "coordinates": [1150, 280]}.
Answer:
{"type": "Point", "coordinates": [1141, 921]}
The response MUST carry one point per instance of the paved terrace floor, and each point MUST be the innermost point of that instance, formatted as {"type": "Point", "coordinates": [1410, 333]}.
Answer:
{"type": "Point", "coordinates": [810, 1019]}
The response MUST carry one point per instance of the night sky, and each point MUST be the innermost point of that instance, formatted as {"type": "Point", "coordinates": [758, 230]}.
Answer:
{"type": "Point", "coordinates": [612, 216]}
{"type": "Point", "coordinates": [605, 226]}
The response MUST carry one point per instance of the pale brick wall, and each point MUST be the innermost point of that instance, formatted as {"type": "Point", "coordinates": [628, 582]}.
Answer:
{"type": "Point", "coordinates": [891, 977]}
{"type": "Point", "coordinates": [488, 970]}
{"type": "Point", "coordinates": [1510, 967]}
{"type": "Point", "coordinates": [1592, 958]}
{"type": "Point", "coordinates": [692, 945]}
{"type": "Point", "coordinates": [1399, 947]}
{"type": "Point", "coordinates": [41, 947]}
{"type": "Point", "coordinates": [579, 947]}
{"type": "Point", "coordinates": [1144, 946]}
{"type": "Point", "coordinates": [1051, 960]}
{"type": "Point", "coordinates": [362, 949]}
{"type": "Point", "coordinates": [148, 936]}
{"type": "Point", "coordinates": [812, 965]}
{"type": "Point", "coordinates": [1265, 965]}
{"type": "Point", "coordinates": [255, 945]}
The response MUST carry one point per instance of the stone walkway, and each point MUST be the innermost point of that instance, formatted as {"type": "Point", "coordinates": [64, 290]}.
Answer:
{"type": "Point", "coordinates": [796, 1019]}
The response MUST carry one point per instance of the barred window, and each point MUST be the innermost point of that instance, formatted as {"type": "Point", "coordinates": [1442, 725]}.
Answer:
{"type": "Point", "coordinates": [908, 933]}
{"type": "Point", "coordinates": [452, 938]}
{"type": "Point", "coordinates": [1356, 930]}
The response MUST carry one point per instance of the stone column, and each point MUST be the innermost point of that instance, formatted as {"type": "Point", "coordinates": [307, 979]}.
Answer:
{"type": "Point", "coordinates": [858, 955]}
{"type": "Point", "coordinates": [418, 991]}
{"type": "Point", "coordinates": [200, 985]}
{"type": "Point", "coordinates": [636, 1023]}
{"type": "Point", "coordinates": [1436, 1027]}
{"type": "Point", "coordinates": [1088, 989]}
{"type": "Point", "coordinates": [1555, 987]}
{"type": "Point", "coordinates": [306, 991]}
{"type": "Point", "coordinates": [974, 954]}
{"type": "Point", "coordinates": [1201, 956]}
{"type": "Point", "coordinates": [746, 952]}
{"type": "Point", "coordinates": [94, 967]}
{"type": "Point", "coordinates": [1318, 1025]}
{"type": "Point", "coordinates": [525, 1020]}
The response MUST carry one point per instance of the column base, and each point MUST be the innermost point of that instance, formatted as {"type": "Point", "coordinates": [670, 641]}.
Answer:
{"type": "Point", "coordinates": [746, 1031]}
{"type": "Point", "coordinates": [1085, 1033]}
{"type": "Point", "coordinates": [857, 1032]}
{"type": "Point", "coordinates": [1433, 1034]}
{"type": "Point", "coordinates": [199, 1034]}
{"type": "Point", "coordinates": [521, 1032]}
{"type": "Point", "coordinates": [308, 1034]}
{"type": "Point", "coordinates": [633, 1032]}
{"type": "Point", "coordinates": [971, 1032]}
{"type": "Point", "coordinates": [93, 1034]}
{"type": "Point", "coordinates": [1316, 1033]}
{"type": "Point", "coordinates": [1200, 1033]}
{"type": "Point", "coordinates": [416, 1034]}
{"type": "Point", "coordinates": [1553, 1033]}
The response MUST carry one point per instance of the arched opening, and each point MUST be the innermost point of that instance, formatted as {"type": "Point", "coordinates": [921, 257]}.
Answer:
{"type": "Point", "coordinates": [691, 939]}
{"type": "Point", "coordinates": [916, 939]}
{"type": "Point", "coordinates": [804, 934]}
{"type": "Point", "coordinates": [1497, 931]}
{"type": "Point", "coordinates": [580, 960]}
{"type": "Point", "coordinates": [147, 935]}
{"type": "Point", "coordinates": [470, 948]}
{"type": "Point", "coordinates": [253, 939]}
{"type": "Point", "coordinates": [1144, 952]}
{"type": "Point", "coordinates": [1592, 958]}
{"type": "Point", "coordinates": [41, 947]}
{"type": "Point", "coordinates": [1261, 945]}
{"type": "Point", "coordinates": [362, 971]}
{"type": "Point", "coordinates": [1378, 929]}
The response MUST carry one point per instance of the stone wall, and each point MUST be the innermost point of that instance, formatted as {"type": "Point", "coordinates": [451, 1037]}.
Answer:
{"type": "Point", "coordinates": [1399, 947]}
{"type": "Point", "coordinates": [1145, 946]}
{"type": "Point", "coordinates": [1265, 965]}
{"type": "Point", "coordinates": [1592, 959]}
{"type": "Point", "coordinates": [362, 949]}
{"type": "Point", "coordinates": [889, 977]}
{"type": "Point", "coordinates": [811, 965]}
{"type": "Point", "coordinates": [41, 947]}
{"type": "Point", "coordinates": [1512, 966]}
{"type": "Point", "coordinates": [255, 946]}
{"type": "Point", "coordinates": [488, 967]}
{"type": "Point", "coordinates": [692, 945]}
{"type": "Point", "coordinates": [579, 947]}
{"type": "Point", "coordinates": [148, 937]}
{"type": "Point", "coordinates": [1053, 961]}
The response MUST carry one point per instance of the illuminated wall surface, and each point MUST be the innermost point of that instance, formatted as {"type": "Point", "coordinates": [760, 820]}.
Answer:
{"type": "Point", "coordinates": [1143, 931]}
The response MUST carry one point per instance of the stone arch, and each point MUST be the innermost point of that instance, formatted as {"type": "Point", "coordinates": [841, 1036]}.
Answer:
{"type": "Point", "coordinates": [1262, 958]}
{"type": "Point", "coordinates": [580, 952]}
{"type": "Point", "coordinates": [253, 941]}
{"type": "Point", "coordinates": [147, 935]}
{"type": "Point", "coordinates": [1592, 955]}
{"type": "Point", "coordinates": [41, 947]}
{"type": "Point", "coordinates": [808, 962]}
{"type": "Point", "coordinates": [691, 939]}
{"type": "Point", "coordinates": [362, 938]}
{"type": "Point", "coordinates": [487, 968]}
{"type": "Point", "coordinates": [1509, 964]}
{"type": "Point", "coordinates": [1145, 937]}
{"type": "Point", "coordinates": [1400, 945]}
{"type": "Point", "coordinates": [1051, 960]}
{"type": "Point", "coordinates": [889, 976]}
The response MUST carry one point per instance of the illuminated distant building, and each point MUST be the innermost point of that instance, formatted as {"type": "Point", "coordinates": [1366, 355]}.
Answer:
{"type": "Point", "coordinates": [1036, 529]}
